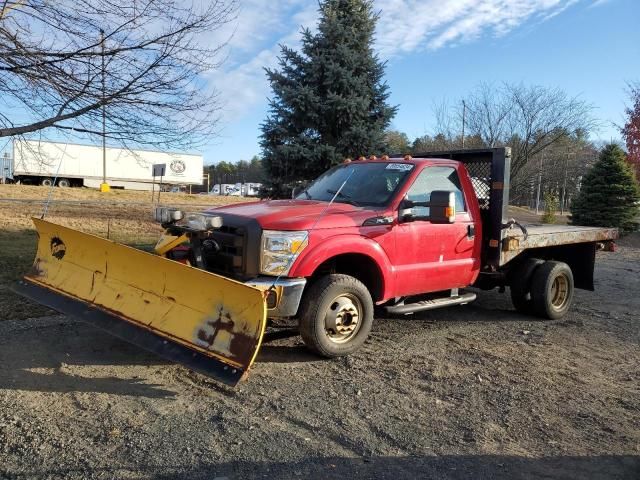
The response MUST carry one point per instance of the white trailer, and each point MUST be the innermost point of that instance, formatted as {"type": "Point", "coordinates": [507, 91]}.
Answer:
{"type": "Point", "coordinates": [238, 189]}
{"type": "Point", "coordinates": [251, 189]}
{"type": "Point", "coordinates": [66, 164]}
{"type": "Point", "coordinates": [222, 189]}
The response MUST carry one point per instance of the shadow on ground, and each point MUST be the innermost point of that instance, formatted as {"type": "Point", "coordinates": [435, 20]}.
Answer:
{"type": "Point", "coordinates": [30, 363]}
{"type": "Point", "coordinates": [475, 467]}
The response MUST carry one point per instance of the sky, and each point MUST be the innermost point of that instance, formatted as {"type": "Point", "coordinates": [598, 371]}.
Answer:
{"type": "Point", "coordinates": [437, 50]}
{"type": "Point", "coordinates": [440, 50]}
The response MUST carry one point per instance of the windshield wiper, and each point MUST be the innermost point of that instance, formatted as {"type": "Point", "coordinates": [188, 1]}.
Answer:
{"type": "Point", "coordinates": [346, 198]}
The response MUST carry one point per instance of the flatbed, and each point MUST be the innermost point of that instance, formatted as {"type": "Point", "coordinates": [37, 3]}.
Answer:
{"type": "Point", "coordinates": [532, 236]}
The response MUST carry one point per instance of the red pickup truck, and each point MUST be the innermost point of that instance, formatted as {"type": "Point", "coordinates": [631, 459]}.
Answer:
{"type": "Point", "coordinates": [403, 234]}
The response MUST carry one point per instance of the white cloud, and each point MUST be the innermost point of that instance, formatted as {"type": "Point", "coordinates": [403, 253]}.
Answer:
{"type": "Point", "coordinates": [598, 3]}
{"type": "Point", "coordinates": [405, 26]}
{"type": "Point", "coordinates": [433, 24]}
{"type": "Point", "coordinates": [262, 26]}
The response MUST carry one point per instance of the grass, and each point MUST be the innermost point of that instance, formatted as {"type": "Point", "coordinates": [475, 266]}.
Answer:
{"type": "Point", "coordinates": [17, 249]}
{"type": "Point", "coordinates": [105, 215]}
{"type": "Point", "coordinates": [31, 192]}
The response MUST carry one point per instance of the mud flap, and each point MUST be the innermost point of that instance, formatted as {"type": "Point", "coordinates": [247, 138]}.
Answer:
{"type": "Point", "coordinates": [209, 323]}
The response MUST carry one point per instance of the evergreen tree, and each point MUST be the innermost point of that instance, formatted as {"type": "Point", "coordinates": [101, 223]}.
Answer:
{"type": "Point", "coordinates": [329, 100]}
{"type": "Point", "coordinates": [609, 195]}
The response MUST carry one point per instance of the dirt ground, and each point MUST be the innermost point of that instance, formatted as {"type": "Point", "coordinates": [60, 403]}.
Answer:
{"type": "Point", "coordinates": [471, 392]}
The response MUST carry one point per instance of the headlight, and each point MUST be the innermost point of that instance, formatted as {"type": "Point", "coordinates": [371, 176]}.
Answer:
{"type": "Point", "coordinates": [199, 222]}
{"type": "Point", "coordinates": [167, 215]}
{"type": "Point", "coordinates": [280, 249]}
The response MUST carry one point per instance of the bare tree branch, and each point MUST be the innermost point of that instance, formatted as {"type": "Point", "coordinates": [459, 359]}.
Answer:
{"type": "Point", "coordinates": [529, 119]}
{"type": "Point", "coordinates": [156, 62]}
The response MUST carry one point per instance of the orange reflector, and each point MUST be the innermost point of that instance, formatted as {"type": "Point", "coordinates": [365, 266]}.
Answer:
{"type": "Point", "coordinates": [449, 212]}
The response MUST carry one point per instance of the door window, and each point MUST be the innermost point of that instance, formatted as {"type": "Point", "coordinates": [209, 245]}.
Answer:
{"type": "Point", "coordinates": [432, 179]}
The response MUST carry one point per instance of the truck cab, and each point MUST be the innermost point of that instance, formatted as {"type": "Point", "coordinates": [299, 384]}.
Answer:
{"type": "Point", "coordinates": [405, 234]}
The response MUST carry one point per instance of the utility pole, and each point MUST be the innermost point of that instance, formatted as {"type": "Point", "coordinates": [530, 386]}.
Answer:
{"type": "Point", "coordinates": [564, 183]}
{"type": "Point", "coordinates": [104, 186]}
{"type": "Point", "coordinates": [464, 119]}
{"type": "Point", "coordinates": [539, 184]}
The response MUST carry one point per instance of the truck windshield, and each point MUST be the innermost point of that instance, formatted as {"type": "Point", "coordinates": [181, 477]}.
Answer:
{"type": "Point", "coordinates": [370, 184]}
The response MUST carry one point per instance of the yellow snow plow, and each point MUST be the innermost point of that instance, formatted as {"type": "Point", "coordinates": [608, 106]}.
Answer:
{"type": "Point", "coordinates": [211, 324]}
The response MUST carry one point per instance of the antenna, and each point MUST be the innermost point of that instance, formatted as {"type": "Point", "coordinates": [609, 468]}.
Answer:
{"type": "Point", "coordinates": [306, 237]}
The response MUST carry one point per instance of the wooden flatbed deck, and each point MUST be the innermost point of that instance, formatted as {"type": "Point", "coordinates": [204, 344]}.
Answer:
{"type": "Point", "coordinates": [515, 241]}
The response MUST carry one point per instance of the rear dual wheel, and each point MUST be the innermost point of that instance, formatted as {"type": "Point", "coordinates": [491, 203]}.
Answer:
{"type": "Point", "coordinates": [520, 288]}
{"type": "Point", "coordinates": [543, 288]}
{"type": "Point", "coordinates": [336, 315]}
{"type": "Point", "coordinates": [552, 290]}
{"type": "Point", "coordinates": [48, 182]}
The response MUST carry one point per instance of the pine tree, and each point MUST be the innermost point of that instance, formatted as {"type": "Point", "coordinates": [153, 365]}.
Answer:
{"type": "Point", "coordinates": [609, 195]}
{"type": "Point", "coordinates": [329, 100]}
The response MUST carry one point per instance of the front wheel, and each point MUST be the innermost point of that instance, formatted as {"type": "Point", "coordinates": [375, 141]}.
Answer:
{"type": "Point", "coordinates": [336, 315]}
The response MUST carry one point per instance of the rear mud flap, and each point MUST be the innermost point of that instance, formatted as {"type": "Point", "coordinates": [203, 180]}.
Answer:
{"type": "Point", "coordinates": [209, 323]}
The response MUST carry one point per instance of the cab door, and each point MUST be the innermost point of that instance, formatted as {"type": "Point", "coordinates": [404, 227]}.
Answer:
{"type": "Point", "coordinates": [430, 257]}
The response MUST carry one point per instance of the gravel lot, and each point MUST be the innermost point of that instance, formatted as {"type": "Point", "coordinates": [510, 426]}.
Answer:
{"type": "Point", "coordinates": [477, 391]}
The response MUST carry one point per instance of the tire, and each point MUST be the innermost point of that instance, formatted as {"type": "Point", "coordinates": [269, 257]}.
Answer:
{"type": "Point", "coordinates": [46, 182]}
{"type": "Point", "coordinates": [520, 285]}
{"type": "Point", "coordinates": [64, 183]}
{"type": "Point", "coordinates": [336, 315]}
{"type": "Point", "coordinates": [552, 290]}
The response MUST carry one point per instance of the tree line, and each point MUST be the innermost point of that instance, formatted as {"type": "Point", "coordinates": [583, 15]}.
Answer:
{"type": "Point", "coordinates": [243, 171]}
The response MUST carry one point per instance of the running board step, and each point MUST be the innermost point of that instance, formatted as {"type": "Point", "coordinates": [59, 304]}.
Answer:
{"type": "Point", "coordinates": [431, 304]}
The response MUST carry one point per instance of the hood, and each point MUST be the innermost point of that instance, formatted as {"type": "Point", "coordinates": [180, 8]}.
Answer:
{"type": "Point", "coordinates": [300, 214]}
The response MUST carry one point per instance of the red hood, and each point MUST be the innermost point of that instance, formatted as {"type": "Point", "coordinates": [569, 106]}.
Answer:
{"type": "Point", "coordinates": [300, 214]}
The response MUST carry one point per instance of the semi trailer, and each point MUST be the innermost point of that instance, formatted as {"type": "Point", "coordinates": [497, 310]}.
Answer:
{"type": "Point", "coordinates": [38, 162]}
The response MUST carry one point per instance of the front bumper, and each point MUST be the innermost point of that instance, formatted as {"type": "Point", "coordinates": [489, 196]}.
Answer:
{"type": "Point", "coordinates": [288, 293]}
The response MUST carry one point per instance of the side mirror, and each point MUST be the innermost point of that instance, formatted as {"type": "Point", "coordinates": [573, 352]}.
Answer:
{"type": "Point", "coordinates": [442, 207]}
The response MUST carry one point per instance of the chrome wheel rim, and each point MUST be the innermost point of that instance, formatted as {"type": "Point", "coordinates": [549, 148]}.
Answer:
{"type": "Point", "coordinates": [343, 318]}
{"type": "Point", "coordinates": [559, 292]}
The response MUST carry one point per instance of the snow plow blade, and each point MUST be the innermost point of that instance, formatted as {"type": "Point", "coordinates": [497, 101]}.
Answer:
{"type": "Point", "coordinates": [210, 324]}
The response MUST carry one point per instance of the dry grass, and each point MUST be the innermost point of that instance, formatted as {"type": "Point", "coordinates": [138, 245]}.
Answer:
{"type": "Point", "coordinates": [30, 192]}
{"type": "Point", "coordinates": [528, 215]}
{"type": "Point", "coordinates": [105, 215]}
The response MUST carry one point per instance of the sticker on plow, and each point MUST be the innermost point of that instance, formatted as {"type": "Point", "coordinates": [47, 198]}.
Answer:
{"type": "Point", "coordinates": [58, 248]}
